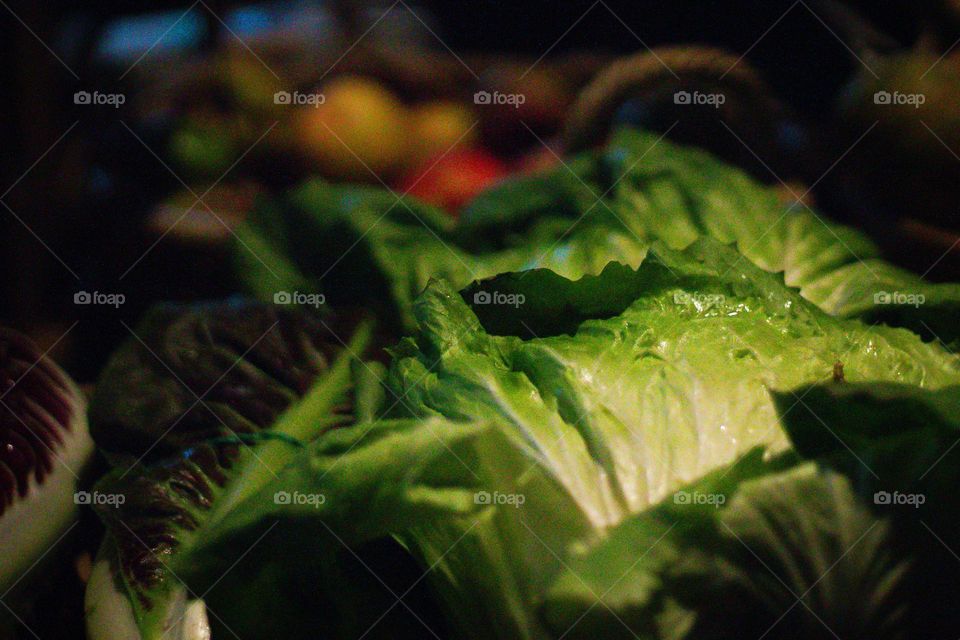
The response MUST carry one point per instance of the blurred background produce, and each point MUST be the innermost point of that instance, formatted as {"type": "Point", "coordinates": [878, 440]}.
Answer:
{"type": "Point", "coordinates": [220, 103]}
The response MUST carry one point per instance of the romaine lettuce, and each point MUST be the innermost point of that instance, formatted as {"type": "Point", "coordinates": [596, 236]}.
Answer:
{"type": "Point", "coordinates": [367, 246]}
{"type": "Point", "coordinates": [639, 398]}
{"type": "Point", "coordinates": [619, 390]}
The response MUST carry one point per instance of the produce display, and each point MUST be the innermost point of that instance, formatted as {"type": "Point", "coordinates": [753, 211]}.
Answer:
{"type": "Point", "coordinates": [631, 395]}
{"type": "Point", "coordinates": [600, 207]}
{"type": "Point", "coordinates": [352, 128]}
{"type": "Point", "coordinates": [480, 321]}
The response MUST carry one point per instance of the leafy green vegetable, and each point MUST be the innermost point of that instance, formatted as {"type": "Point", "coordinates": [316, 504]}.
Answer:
{"type": "Point", "coordinates": [44, 449]}
{"type": "Point", "coordinates": [546, 429]}
{"type": "Point", "coordinates": [895, 444]}
{"type": "Point", "coordinates": [366, 246]}
{"type": "Point", "coordinates": [587, 433]}
{"type": "Point", "coordinates": [773, 554]}
{"type": "Point", "coordinates": [232, 392]}
{"type": "Point", "coordinates": [853, 544]}
{"type": "Point", "coordinates": [362, 483]}
{"type": "Point", "coordinates": [502, 215]}
{"type": "Point", "coordinates": [616, 401]}
{"type": "Point", "coordinates": [663, 192]}
{"type": "Point", "coordinates": [819, 421]}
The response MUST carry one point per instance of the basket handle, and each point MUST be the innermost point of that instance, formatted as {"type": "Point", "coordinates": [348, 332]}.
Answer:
{"type": "Point", "coordinates": [592, 112]}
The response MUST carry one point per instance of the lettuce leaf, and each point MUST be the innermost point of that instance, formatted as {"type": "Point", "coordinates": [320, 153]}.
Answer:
{"type": "Point", "coordinates": [678, 194]}
{"type": "Point", "coordinates": [780, 554]}
{"type": "Point", "coordinates": [588, 347]}
{"type": "Point", "coordinates": [617, 390]}
{"type": "Point", "coordinates": [367, 246]}
{"type": "Point", "coordinates": [349, 488]}
{"type": "Point", "coordinates": [45, 450]}
{"type": "Point", "coordinates": [855, 542]}
{"type": "Point", "coordinates": [897, 453]}
{"type": "Point", "coordinates": [202, 407]}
